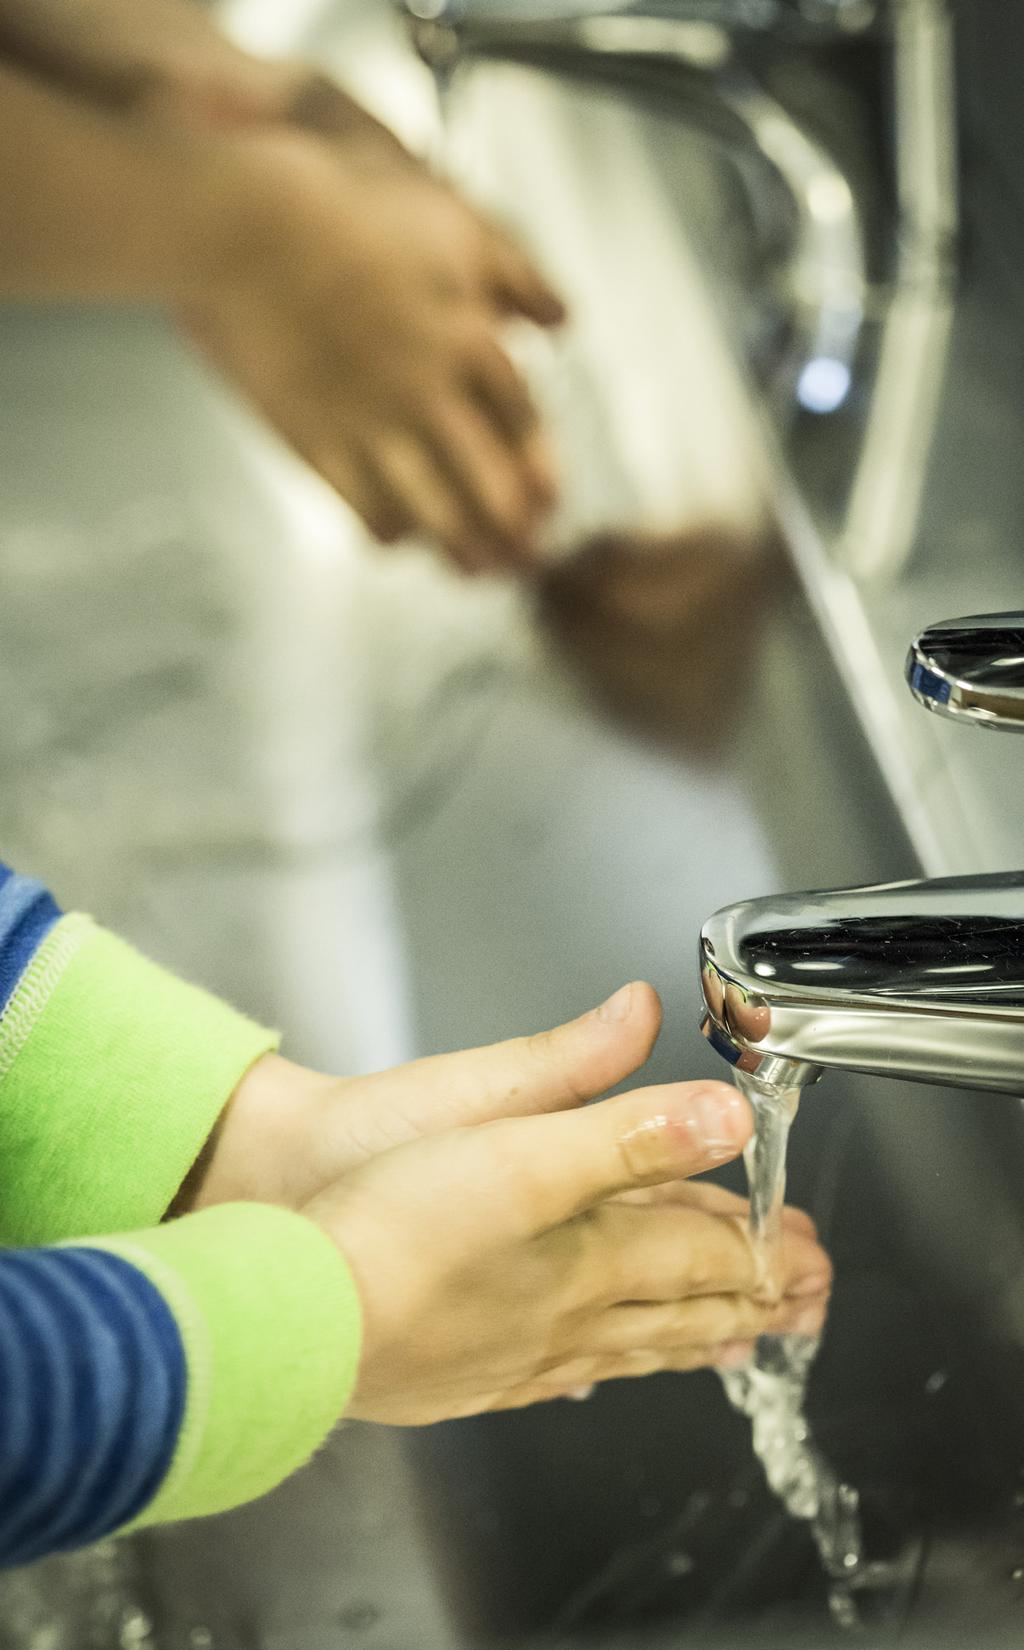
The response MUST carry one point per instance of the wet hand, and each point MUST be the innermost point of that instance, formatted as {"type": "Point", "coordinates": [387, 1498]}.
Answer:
{"type": "Point", "coordinates": [648, 1272]}
{"type": "Point", "coordinates": [288, 1132]}
{"type": "Point", "coordinates": [504, 1263]}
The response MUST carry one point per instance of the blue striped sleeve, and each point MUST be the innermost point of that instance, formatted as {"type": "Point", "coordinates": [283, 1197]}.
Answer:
{"type": "Point", "coordinates": [27, 913]}
{"type": "Point", "coordinates": [92, 1397]}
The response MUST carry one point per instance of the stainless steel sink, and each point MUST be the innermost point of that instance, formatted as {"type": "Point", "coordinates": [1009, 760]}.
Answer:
{"type": "Point", "coordinates": [643, 1510]}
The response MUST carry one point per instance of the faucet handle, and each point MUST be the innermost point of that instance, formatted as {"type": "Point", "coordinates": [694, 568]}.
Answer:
{"type": "Point", "coordinates": [972, 670]}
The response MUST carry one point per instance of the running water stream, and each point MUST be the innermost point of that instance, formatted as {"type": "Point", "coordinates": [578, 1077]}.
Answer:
{"type": "Point", "coordinates": [771, 1388]}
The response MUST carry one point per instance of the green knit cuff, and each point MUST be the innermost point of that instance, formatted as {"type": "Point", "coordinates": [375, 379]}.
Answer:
{"type": "Point", "coordinates": [271, 1325]}
{"type": "Point", "coordinates": [112, 1076]}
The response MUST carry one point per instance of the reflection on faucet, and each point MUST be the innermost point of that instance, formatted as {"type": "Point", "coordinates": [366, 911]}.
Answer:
{"type": "Point", "coordinates": [651, 624]}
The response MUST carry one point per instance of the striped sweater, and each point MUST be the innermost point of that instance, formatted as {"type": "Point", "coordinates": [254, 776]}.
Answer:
{"type": "Point", "coordinates": [147, 1372]}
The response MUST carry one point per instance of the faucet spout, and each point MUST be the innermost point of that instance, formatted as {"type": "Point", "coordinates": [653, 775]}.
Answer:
{"type": "Point", "coordinates": [919, 980]}
{"type": "Point", "coordinates": [972, 670]}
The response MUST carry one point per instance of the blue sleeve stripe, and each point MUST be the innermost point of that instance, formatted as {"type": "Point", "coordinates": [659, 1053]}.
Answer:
{"type": "Point", "coordinates": [27, 913]}
{"type": "Point", "coordinates": [136, 1461]}
{"type": "Point", "coordinates": [92, 1396]}
{"type": "Point", "coordinates": [36, 1472]}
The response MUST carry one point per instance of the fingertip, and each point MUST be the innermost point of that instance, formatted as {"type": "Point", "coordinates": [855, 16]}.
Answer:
{"type": "Point", "coordinates": [542, 470]}
{"type": "Point", "coordinates": [809, 1269]}
{"type": "Point", "coordinates": [646, 990]}
{"type": "Point", "coordinates": [551, 310]}
{"type": "Point", "coordinates": [636, 1003]}
{"type": "Point", "coordinates": [648, 1012]}
{"type": "Point", "coordinates": [682, 1129]}
{"type": "Point", "coordinates": [733, 1354]}
{"type": "Point", "coordinates": [810, 1318]}
{"type": "Point", "coordinates": [726, 1116]}
{"type": "Point", "coordinates": [524, 289]}
{"type": "Point", "coordinates": [798, 1220]}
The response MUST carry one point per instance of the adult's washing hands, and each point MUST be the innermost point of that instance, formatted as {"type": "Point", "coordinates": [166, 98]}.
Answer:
{"type": "Point", "coordinates": [351, 295]}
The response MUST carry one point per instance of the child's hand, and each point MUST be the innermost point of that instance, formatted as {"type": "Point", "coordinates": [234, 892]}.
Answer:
{"type": "Point", "coordinates": [503, 1264]}
{"type": "Point", "coordinates": [288, 1133]}
{"type": "Point", "coordinates": [509, 1244]}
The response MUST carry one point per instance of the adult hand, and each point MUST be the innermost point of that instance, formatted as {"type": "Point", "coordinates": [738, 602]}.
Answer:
{"type": "Point", "coordinates": [361, 313]}
{"type": "Point", "coordinates": [349, 293]}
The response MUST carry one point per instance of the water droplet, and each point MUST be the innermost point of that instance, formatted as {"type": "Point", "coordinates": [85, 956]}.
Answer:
{"type": "Point", "coordinates": [200, 1638]}
{"type": "Point", "coordinates": [936, 1382]}
{"type": "Point", "coordinates": [136, 1630]}
{"type": "Point", "coordinates": [1018, 1573]}
{"type": "Point", "coordinates": [842, 1609]}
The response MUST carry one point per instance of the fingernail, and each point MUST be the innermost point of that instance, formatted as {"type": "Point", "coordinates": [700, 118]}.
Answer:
{"type": "Point", "coordinates": [733, 1354]}
{"type": "Point", "coordinates": [618, 1007]}
{"type": "Point", "coordinates": [818, 1284]}
{"type": "Point", "coordinates": [720, 1118]}
{"type": "Point", "coordinates": [810, 1320]}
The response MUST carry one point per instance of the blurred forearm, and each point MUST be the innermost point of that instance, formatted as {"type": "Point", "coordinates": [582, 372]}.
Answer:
{"type": "Point", "coordinates": [97, 204]}
{"type": "Point", "coordinates": [126, 52]}
{"type": "Point", "coordinates": [169, 54]}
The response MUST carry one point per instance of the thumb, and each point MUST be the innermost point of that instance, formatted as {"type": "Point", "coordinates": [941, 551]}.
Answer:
{"type": "Point", "coordinates": [550, 1071]}
{"type": "Point", "coordinates": [574, 1160]}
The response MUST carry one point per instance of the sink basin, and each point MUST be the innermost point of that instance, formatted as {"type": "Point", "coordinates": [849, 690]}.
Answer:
{"type": "Point", "coordinates": [642, 1512]}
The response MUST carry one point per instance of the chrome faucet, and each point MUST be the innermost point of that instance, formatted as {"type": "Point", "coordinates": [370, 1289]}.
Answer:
{"type": "Point", "coordinates": [920, 980]}
{"type": "Point", "coordinates": [847, 304]}
{"type": "Point", "coordinates": [972, 670]}
{"type": "Point", "coordinates": [691, 53]}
